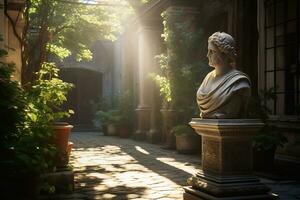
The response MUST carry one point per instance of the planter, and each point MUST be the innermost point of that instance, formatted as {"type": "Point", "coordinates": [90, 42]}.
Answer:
{"type": "Point", "coordinates": [168, 119]}
{"type": "Point", "coordinates": [263, 160]}
{"type": "Point", "coordinates": [123, 131]}
{"type": "Point", "coordinates": [187, 143]}
{"type": "Point", "coordinates": [111, 129]}
{"type": "Point", "coordinates": [70, 146]}
{"type": "Point", "coordinates": [61, 141]}
{"type": "Point", "coordinates": [104, 129]}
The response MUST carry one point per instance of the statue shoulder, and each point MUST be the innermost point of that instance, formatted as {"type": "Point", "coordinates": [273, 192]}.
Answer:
{"type": "Point", "coordinates": [242, 81]}
{"type": "Point", "coordinates": [208, 76]}
{"type": "Point", "coordinates": [242, 77]}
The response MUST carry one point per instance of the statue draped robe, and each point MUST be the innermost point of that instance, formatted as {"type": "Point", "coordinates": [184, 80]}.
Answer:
{"type": "Point", "coordinates": [225, 97]}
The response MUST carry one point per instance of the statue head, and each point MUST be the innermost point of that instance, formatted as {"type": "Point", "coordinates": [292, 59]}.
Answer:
{"type": "Point", "coordinates": [221, 50]}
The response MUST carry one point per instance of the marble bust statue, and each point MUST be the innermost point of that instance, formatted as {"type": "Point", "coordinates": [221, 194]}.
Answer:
{"type": "Point", "coordinates": [225, 91]}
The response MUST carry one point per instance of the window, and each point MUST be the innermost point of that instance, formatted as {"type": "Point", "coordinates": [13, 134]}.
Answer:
{"type": "Point", "coordinates": [281, 56]}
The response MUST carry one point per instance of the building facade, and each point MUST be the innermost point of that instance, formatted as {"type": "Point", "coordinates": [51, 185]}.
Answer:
{"type": "Point", "coordinates": [9, 33]}
{"type": "Point", "coordinates": [267, 38]}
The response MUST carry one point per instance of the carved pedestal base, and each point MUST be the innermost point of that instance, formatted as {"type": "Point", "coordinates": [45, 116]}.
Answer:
{"type": "Point", "coordinates": [192, 194]}
{"type": "Point", "coordinates": [226, 162]}
{"type": "Point", "coordinates": [208, 186]}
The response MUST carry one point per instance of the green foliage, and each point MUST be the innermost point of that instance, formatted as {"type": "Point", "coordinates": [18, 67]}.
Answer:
{"type": "Point", "coordinates": [12, 105]}
{"type": "Point", "coordinates": [182, 65]}
{"type": "Point", "coordinates": [25, 121]}
{"type": "Point", "coordinates": [35, 151]}
{"type": "Point", "coordinates": [269, 138]}
{"type": "Point", "coordinates": [23, 143]}
{"type": "Point", "coordinates": [47, 96]}
{"type": "Point", "coordinates": [181, 130]}
{"type": "Point", "coordinates": [71, 28]}
{"type": "Point", "coordinates": [107, 117]}
{"type": "Point", "coordinates": [126, 108]}
{"type": "Point", "coordinates": [121, 114]}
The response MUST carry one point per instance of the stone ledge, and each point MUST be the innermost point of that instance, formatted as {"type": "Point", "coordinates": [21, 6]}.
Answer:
{"type": "Point", "coordinates": [63, 181]}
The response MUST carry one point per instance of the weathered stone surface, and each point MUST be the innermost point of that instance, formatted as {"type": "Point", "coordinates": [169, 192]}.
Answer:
{"type": "Point", "coordinates": [62, 180]}
{"type": "Point", "coordinates": [226, 161]}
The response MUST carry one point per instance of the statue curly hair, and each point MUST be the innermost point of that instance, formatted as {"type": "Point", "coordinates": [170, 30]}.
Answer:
{"type": "Point", "coordinates": [225, 44]}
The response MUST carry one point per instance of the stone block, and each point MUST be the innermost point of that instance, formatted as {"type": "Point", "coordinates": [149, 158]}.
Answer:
{"type": "Point", "coordinates": [63, 181]}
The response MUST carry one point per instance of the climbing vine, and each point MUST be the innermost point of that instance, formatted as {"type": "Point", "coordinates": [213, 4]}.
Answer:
{"type": "Point", "coordinates": [182, 65]}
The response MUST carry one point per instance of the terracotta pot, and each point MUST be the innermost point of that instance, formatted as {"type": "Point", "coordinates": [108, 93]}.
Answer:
{"type": "Point", "coordinates": [61, 139]}
{"type": "Point", "coordinates": [123, 131]}
{"type": "Point", "coordinates": [70, 146]}
{"type": "Point", "coordinates": [187, 143]}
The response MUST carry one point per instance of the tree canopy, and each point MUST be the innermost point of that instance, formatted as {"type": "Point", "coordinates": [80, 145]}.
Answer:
{"type": "Point", "coordinates": [57, 29]}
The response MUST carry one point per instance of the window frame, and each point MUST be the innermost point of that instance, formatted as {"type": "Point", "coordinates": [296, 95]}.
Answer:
{"type": "Point", "coordinates": [262, 51]}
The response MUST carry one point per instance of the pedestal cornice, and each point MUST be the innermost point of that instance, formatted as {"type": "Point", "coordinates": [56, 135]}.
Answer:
{"type": "Point", "coordinates": [226, 127]}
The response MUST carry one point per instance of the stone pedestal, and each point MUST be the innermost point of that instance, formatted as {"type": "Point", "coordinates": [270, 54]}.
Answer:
{"type": "Point", "coordinates": [226, 161]}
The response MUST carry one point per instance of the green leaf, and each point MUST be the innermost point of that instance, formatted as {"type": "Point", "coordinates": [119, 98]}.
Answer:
{"type": "Point", "coordinates": [32, 117]}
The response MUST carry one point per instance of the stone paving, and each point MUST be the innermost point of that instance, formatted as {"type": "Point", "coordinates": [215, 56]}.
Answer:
{"type": "Point", "coordinates": [120, 169]}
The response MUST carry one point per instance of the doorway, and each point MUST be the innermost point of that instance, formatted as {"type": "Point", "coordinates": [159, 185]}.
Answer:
{"type": "Point", "coordinates": [87, 88]}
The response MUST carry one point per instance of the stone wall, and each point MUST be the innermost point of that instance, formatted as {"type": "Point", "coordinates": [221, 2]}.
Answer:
{"type": "Point", "coordinates": [11, 43]}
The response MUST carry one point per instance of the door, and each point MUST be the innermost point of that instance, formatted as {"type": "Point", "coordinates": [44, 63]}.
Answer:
{"type": "Point", "coordinates": [87, 88]}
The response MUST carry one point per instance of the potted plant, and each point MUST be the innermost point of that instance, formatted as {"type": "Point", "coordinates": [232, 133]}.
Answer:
{"type": "Point", "coordinates": [264, 147]}
{"type": "Point", "coordinates": [99, 106]}
{"type": "Point", "coordinates": [108, 120]}
{"type": "Point", "coordinates": [269, 138]}
{"type": "Point", "coordinates": [46, 97]}
{"type": "Point", "coordinates": [187, 140]}
{"type": "Point", "coordinates": [26, 152]}
{"type": "Point", "coordinates": [125, 114]}
{"type": "Point", "coordinates": [102, 118]}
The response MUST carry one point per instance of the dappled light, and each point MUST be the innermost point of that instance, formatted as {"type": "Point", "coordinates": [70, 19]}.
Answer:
{"type": "Point", "coordinates": [110, 168]}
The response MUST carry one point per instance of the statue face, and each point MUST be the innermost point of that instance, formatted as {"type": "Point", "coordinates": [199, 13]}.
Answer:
{"type": "Point", "coordinates": [214, 55]}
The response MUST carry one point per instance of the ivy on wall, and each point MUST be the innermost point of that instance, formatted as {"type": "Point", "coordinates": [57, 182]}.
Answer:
{"type": "Point", "coordinates": [183, 65]}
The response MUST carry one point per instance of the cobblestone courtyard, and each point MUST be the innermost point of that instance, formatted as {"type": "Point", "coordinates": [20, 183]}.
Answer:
{"type": "Point", "coordinates": [113, 168]}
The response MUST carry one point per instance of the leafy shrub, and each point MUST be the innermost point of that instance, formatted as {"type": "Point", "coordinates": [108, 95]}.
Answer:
{"type": "Point", "coordinates": [26, 132]}
{"type": "Point", "coordinates": [12, 106]}
{"type": "Point", "coordinates": [181, 130]}
{"type": "Point", "coordinates": [47, 96]}
{"type": "Point", "coordinates": [107, 117]}
{"type": "Point", "coordinates": [122, 114]}
{"type": "Point", "coordinates": [44, 101]}
{"type": "Point", "coordinates": [268, 139]}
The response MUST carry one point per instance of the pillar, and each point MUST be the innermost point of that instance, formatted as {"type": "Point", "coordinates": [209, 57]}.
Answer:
{"type": "Point", "coordinates": [148, 48]}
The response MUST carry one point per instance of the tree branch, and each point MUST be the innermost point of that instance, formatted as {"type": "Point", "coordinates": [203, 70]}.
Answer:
{"type": "Point", "coordinates": [12, 22]}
